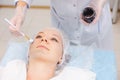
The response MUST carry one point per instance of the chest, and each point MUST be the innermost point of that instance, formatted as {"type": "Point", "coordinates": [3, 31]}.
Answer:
{"type": "Point", "coordinates": [64, 7]}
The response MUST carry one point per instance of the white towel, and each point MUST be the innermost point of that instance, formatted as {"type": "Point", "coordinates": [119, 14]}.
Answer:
{"type": "Point", "coordinates": [16, 70]}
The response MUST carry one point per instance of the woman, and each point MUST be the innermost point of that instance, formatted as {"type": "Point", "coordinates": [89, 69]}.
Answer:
{"type": "Point", "coordinates": [67, 16]}
{"type": "Point", "coordinates": [45, 62]}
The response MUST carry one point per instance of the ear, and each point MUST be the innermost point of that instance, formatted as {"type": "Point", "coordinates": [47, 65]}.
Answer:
{"type": "Point", "coordinates": [59, 61]}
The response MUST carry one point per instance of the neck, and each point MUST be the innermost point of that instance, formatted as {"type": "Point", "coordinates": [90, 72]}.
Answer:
{"type": "Point", "coordinates": [38, 70]}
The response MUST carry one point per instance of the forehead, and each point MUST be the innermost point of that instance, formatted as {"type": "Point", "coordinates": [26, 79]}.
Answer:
{"type": "Point", "coordinates": [53, 32]}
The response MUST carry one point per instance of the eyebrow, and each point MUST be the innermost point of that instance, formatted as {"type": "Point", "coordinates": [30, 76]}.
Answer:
{"type": "Point", "coordinates": [56, 36]}
{"type": "Point", "coordinates": [52, 34]}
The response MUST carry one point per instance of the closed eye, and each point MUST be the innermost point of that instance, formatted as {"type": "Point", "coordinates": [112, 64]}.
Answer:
{"type": "Point", "coordinates": [54, 39]}
{"type": "Point", "coordinates": [39, 36]}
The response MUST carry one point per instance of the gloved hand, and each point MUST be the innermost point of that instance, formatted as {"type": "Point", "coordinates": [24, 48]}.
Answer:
{"type": "Point", "coordinates": [18, 18]}
{"type": "Point", "coordinates": [97, 6]}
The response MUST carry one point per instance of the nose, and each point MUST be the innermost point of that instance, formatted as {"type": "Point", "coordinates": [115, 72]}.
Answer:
{"type": "Point", "coordinates": [43, 39]}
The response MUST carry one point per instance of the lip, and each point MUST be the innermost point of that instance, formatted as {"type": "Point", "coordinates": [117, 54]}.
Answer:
{"type": "Point", "coordinates": [41, 46]}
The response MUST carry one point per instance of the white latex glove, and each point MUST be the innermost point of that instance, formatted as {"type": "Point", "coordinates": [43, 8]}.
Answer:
{"type": "Point", "coordinates": [18, 19]}
{"type": "Point", "coordinates": [97, 6]}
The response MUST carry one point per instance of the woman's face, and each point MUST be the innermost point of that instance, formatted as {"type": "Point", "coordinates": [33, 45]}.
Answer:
{"type": "Point", "coordinates": [47, 46]}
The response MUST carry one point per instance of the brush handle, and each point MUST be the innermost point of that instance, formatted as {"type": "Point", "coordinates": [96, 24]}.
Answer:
{"type": "Point", "coordinates": [13, 26]}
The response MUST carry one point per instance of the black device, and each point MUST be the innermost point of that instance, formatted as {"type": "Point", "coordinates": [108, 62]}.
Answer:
{"type": "Point", "coordinates": [88, 14]}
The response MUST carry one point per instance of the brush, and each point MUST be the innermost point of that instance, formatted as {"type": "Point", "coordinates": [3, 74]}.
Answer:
{"type": "Point", "coordinates": [23, 34]}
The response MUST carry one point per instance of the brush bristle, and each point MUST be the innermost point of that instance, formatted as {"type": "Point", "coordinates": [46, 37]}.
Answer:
{"type": "Point", "coordinates": [30, 40]}
{"type": "Point", "coordinates": [27, 37]}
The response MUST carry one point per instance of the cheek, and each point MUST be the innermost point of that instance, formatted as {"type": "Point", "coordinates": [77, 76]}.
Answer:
{"type": "Point", "coordinates": [35, 43]}
{"type": "Point", "coordinates": [57, 49]}
{"type": "Point", "coordinates": [31, 49]}
{"type": "Point", "coordinates": [33, 46]}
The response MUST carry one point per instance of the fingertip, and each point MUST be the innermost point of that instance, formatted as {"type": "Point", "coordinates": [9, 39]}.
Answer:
{"type": "Point", "coordinates": [85, 23]}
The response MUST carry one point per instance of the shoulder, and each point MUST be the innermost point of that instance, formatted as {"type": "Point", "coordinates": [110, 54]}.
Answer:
{"type": "Point", "coordinates": [74, 73]}
{"type": "Point", "coordinates": [13, 70]}
{"type": "Point", "coordinates": [15, 63]}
